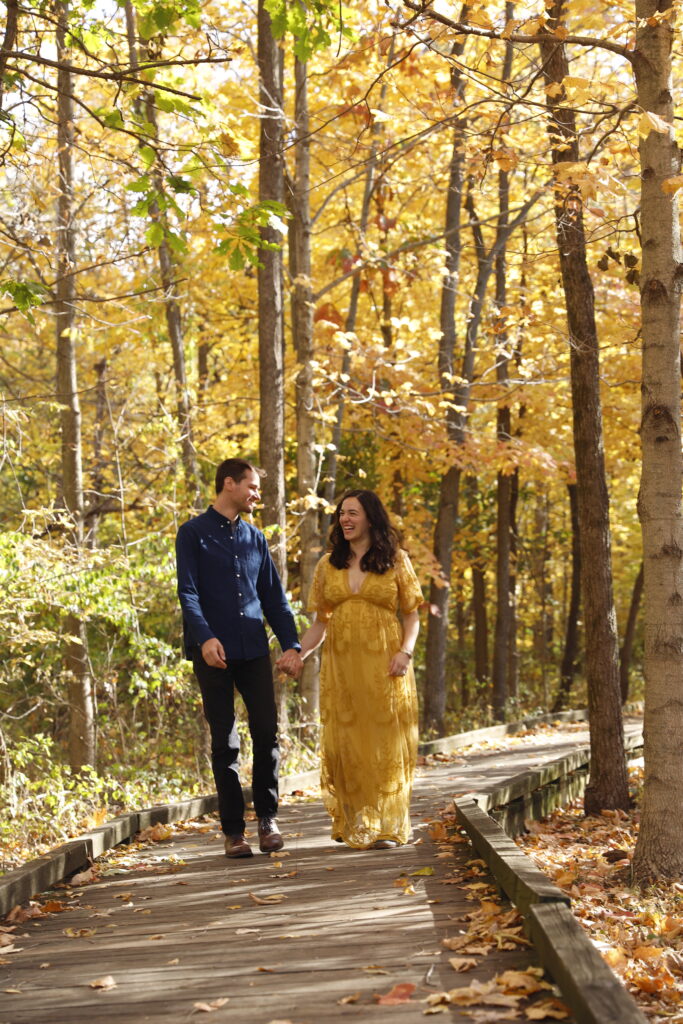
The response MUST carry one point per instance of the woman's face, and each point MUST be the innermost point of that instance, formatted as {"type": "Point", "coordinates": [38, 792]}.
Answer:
{"type": "Point", "coordinates": [353, 521]}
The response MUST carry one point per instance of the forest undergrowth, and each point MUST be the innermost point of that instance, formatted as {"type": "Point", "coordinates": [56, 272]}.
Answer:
{"type": "Point", "coordinates": [638, 931]}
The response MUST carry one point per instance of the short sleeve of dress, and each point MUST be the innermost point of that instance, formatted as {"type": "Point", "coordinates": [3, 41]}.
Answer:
{"type": "Point", "coordinates": [409, 590]}
{"type": "Point", "coordinates": [316, 600]}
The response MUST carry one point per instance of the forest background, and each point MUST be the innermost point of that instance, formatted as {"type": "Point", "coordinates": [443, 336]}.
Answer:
{"type": "Point", "coordinates": [329, 240]}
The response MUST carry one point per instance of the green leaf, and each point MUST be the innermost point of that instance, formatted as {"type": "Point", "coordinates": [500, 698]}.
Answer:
{"type": "Point", "coordinates": [112, 118]}
{"type": "Point", "coordinates": [423, 871]}
{"type": "Point", "coordinates": [177, 244]}
{"type": "Point", "coordinates": [140, 185]}
{"type": "Point", "coordinates": [180, 185]}
{"type": "Point", "coordinates": [148, 155]}
{"type": "Point", "coordinates": [155, 234]}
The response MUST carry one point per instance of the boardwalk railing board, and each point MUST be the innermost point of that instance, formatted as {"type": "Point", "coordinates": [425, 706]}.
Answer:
{"type": "Point", "coordinates": [42, 873]}
{"type": "Point", "coordinates": [515, 873]}
{"type": "Point", "coordinates": [591, 990]}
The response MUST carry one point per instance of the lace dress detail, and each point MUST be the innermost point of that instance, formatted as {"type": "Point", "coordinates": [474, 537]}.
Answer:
{"type": "Point", "coordinates": [369, 718]}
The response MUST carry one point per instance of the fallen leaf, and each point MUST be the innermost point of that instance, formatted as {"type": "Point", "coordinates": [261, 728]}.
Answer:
{"type": "Point", "coordinates": [234, 906]}
{"type": "Point", "coordinates": [153, 938]}
{"type": "Point", "coordinates": [423, 871]}
{"type": "Point", "coordinates": [553, 1008]}
{"type": "Point", "coordinates": [172, 963]}
{"type": "Point", "coordinates": [156, 833]}
{"type": "Point", "coordinates": [264, 901]}
{"type": "Point", "coordinates": [84, 877]}
{"type": "Point", "coordinates": [14, 991]}
{"type": "Point", "coordinates": [103, 983]}
{"type": "Point", "coordinates": [462, 963]}
{"type": "Point", "coordinates": [79, 933]}
{"type": "Point", "coordinates": [376, 968]}
{"type": "Point", "coordinates": [46, 964]}
{"type": "Point", "coordinates": [215, 1004]}
{"type": "Point", "coordinates": [647, 952]}
{"type": "Point", "coordinates": [397, 995]}
{"type": "Point", "coordinates": [345, 1000]}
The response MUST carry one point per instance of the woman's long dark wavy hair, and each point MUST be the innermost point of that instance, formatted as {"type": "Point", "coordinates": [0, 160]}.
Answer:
{"type": "Point", "coordinates": [385, 540]}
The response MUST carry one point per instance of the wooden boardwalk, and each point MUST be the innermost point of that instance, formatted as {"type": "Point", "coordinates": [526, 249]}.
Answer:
{"type": "Point", "coordinates": [314, 934]}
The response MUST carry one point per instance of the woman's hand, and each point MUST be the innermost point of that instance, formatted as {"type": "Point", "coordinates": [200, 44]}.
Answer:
{"type": "Point", "coordinates": [398, 666]}
{"type": "Point", "coordinates": [290, 662]}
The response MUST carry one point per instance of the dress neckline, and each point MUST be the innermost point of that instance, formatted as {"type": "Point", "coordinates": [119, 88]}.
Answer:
{"type": "Point", "coordinates": [348, 582]}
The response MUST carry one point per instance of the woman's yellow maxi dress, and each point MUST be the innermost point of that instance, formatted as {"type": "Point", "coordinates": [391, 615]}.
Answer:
{"type": "Point", "coordinates": [369, 718]}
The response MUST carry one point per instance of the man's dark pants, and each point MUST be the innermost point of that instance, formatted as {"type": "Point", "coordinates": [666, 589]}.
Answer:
{"type": "Point", "coordinates": [254, 680]}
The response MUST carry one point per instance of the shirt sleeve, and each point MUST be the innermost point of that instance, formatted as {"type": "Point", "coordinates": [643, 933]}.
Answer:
{"type": "Point", "coordinates": [187, 563]}
{"type": "Point", "coordinates": [275, 604]}
{"type": "Point", "coordinates": [409, 590]}
{"type": "Point", "coordinates": [316, 600]}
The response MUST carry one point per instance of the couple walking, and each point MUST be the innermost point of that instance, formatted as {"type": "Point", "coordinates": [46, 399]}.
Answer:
{"type": "Point", "coordinates": [227, 584]}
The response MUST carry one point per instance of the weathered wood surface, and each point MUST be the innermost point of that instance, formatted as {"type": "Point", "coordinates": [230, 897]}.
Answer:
{"type": "Point", "coordinates": [178, 926]}
{"type": "Point", "coordinates": [596, 994]}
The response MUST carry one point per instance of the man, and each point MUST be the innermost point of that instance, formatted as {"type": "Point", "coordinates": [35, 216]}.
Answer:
{"type": "Point", "coordinates": [227, 582]}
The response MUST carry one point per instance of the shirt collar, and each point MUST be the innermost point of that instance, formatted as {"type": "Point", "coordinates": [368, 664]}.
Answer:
{"type": "Point", "coordinates": [223, 520]}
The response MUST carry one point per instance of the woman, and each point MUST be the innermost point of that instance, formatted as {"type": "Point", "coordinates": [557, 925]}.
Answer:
{"type": "Point", "coordinates": [368, 704]}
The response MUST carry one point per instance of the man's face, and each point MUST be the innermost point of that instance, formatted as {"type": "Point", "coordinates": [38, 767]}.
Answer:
{"type": "Point", "coordinates": [247, 493]}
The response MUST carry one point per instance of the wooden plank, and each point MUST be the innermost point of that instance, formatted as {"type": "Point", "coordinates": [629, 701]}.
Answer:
{"type": "Point", "coordinates": [21, 884]}
{"type": "Point", "coordinates": [113, 832]}
{"type": "Point", "coordinates": [594, 994]}
{"type": "Point", "coordinates": [446, 744]}
{"type": "Point", "coordinates": [514, 871]}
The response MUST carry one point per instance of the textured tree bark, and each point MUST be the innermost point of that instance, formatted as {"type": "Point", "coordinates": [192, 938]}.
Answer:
{"type": "Point", "coordinates": [352, 312]}
{"type": "Point", "coordinates": [659, 849]}
{"type": "Point", "coordinates": [76, 663]}
{"type": "Point", "coordinates": [270, 293]}
{"type": "Point", "coordinates": [608, 783]}
{"type": "Point", "coordinates": [626, 652]}
{"type": "Point", "coordinates": [571, 641]}
{"type": "Point", "coordinates": [503, 623]}
{"type": "Point", "coordinates": [146, 109]}
{"type": "Point", "coordinates": [302, 332]}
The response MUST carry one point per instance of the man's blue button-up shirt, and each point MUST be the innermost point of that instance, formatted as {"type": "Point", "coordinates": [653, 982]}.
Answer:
{"type": "Point", "coordinates": [227, 582]}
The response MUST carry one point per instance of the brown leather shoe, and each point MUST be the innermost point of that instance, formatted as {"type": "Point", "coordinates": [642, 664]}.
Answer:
{"type": "Point", "coordinates": [237, 846]}
{"type": "Point", "coordinates": [269, 838]}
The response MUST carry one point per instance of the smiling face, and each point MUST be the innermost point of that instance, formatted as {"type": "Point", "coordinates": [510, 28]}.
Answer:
{"type": "Point", "coordinates": [244, 494]}
{"type": "Point", "coordinates": [353, 521]}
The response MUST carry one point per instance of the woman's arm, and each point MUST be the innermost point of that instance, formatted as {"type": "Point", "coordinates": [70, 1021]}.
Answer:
{"type": "Point", "coordinates": [398, 666]}
{"type": "Point", "coordinates": [312, 638]}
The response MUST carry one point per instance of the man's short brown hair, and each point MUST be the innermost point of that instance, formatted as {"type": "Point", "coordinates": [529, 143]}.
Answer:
{"type": "Point", "coordinates": [237, 469]}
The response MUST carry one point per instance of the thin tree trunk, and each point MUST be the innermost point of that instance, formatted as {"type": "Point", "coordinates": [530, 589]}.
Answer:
{"type": "Point", "coordinates": [302, 331]}
{"type": "Point", "coordinates": [98, 484]}
{"type": "Point", "coordinates": [146, 110]}
{"type": "Point", "coordinates": [571, 642]}
{"type": "Point", "coordinates": [626, 651]}
{"type": "Point", "coordinates": [9, 39]}
{"type": "Point", "coordinates": [270, 293]}
{"type": "Point", "coordinates": [608, 783]}
{"type": "Point", "coordinates": [352, 313]}
{"type": "Point", "coordinates": [659, 849]}
{"type": "Point", "coordinates": [81, 705]}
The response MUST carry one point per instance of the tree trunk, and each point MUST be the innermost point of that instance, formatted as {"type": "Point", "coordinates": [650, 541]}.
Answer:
{"type": "Point", "coordinates": [81, 705]}
{"type": "Point", "coordinates": [350, 323]}
{"type": "Point", "coordinates": [503, 623]}
{"type": "Point", "coordinates": [146, 110]}
{"type": "Point", "coordinates": [608, 784]}
{"type": "Point", "coordinates": [270, 293]}
{"type": "Point", "coordinates": [659, 850]}
{"type": "Point", "coordinates": [9, 39]}
{"type": "Point", "coordinates": [571, 642]}
{"type": "Point", "coordinates": [629, 634]}
{"type": "Point", "coordinates": [302, 331]}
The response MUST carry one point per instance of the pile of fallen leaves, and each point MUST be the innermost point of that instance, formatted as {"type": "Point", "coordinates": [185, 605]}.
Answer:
{"type": "Point", "coordinates": [639, 932]}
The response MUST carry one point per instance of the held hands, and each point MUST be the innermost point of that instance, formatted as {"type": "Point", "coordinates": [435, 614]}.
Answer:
{"type": "Point", "coordinates": [291, 663]}
{"type": "Point", "coordinates": [213, 653]}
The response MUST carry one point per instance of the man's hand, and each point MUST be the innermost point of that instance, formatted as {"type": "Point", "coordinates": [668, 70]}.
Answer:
{"type": "Point", "coordinates": [290, 662]}
{"type": "Point", "coordinates": [213, 653]}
